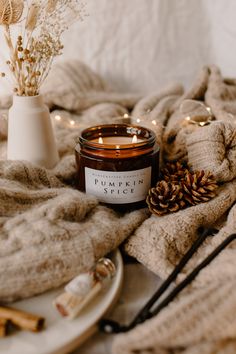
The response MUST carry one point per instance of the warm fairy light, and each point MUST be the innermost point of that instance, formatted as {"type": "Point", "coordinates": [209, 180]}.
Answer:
{"type": "Point", "coordinates": [154, 122]}
{"type": "Point", "coordinates": [58, 118]}
{"type": "Point", "coordinates": [100, 140]}
{"type": "Point", "coordinates": [126, 115]}
{"type": "Point", "coordinates": [72, 122]}
{"type": "Point", "coordinates": [134, 139]}
{"type": "Point", "coordinates": [138, 120]}
{"type": "Point", "coordinates": [200, 124]}
{"type": "Point", "coordinates": [208, 109]}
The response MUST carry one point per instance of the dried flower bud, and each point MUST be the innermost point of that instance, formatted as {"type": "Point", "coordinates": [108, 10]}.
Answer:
{"type": "Point", "coordinates": [32, 17]}
{"type": "Point", "coordinates": [19, 40]}
{"type": "Point", "coordinates": [10, 11]}
{"type": "Point", "coordinates": [51, 5]}
{"type": "Point", "coordinates": [32, 54]}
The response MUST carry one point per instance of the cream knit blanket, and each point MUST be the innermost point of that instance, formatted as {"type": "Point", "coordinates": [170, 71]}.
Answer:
{"type": "Point", "coordinates": [49, 231]}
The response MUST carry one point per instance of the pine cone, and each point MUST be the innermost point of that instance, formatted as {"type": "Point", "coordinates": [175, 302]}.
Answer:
{"type": "Point", "coordinates": [164, 198]}
{"type": "Point", "coordinates": [174, 172]}
{"type": "Point", "coordinates": [198, 187]}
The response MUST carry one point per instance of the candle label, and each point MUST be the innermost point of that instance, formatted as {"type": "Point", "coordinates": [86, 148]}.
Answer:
{"type": "Point", "coordinates": [118, 187]}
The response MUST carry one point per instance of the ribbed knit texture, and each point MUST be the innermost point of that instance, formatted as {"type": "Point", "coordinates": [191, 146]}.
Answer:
{"type": "Point", "coordinates": [201, 318]}
{"type": "Point", "coordinates": [49, 232]}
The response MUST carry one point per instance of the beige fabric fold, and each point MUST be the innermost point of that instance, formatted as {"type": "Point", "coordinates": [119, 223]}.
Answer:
{"type": "Point", "coordinates": [153, 110]}
{"type": "Point", "coordinates": [201, 319]}
{"type": "Point", "coordinates": [221, 96]}
{"type": "Point", "coordinates": [160, 241]}
{"type": "Point", "coordinates": [214, 148]}
{"type": "Point", "coordinates": [211, 89]}
{"type": "Point", "coordinates": [176, 130]}
{"type": "Point", "coordinates": [73, 86]}
{"type": "Point", "coordinates": [49, 231]}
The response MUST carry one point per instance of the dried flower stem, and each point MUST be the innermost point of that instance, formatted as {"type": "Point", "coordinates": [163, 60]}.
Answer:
{"type": "Point", "coordinates": [39, 41]}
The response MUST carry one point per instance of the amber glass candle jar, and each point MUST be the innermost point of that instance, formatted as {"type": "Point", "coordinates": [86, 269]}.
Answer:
{"type": "Point", "coordinates": [117, 163]}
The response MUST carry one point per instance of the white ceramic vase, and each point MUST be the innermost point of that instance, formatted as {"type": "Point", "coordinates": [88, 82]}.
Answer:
{"type": "Point", "coordinates": [30, 132]}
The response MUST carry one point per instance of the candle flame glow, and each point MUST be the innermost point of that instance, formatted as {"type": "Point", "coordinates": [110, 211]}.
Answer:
{"type": "Point", "coordinates": [134, 139]}
{"type": "Point", "coordinates": [100, 140]}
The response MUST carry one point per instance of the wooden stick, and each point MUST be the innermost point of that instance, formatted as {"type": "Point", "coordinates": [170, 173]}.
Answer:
{"type": "Point", "coordinates": [22, 319]}
{"type": "Point", "coordinates": [4, 325]}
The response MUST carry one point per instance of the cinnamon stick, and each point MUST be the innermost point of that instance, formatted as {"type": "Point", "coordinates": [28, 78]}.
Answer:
{"type": "Point", "coordinates": [4, 325]}
{"type": "Point", "coordinates": [22, 319]}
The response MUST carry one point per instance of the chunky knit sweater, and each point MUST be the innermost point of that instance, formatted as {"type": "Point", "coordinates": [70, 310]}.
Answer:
{"type": "Point", "coordinates": [50, 232]}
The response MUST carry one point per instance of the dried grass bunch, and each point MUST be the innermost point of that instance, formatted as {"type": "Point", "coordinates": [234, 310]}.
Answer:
{"type": "Point", "coordinates": [38, 41]}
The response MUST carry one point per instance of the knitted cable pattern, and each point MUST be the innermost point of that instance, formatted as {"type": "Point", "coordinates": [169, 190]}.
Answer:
{"type": "Point", "coordinates": [49, 232]}
{"type": "Point", "coordinates": [200, 320]}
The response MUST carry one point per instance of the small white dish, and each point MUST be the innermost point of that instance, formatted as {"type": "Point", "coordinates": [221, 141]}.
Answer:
{"type": "Point", "coordinates": [61, 335]}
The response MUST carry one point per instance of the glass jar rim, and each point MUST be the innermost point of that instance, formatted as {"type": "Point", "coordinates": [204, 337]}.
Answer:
{"type": "Point", "coordinates": [123, 129]}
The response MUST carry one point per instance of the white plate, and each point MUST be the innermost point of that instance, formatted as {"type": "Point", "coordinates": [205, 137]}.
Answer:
{"type": "Point", "coordinates": [61, 335]}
